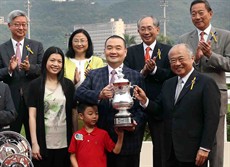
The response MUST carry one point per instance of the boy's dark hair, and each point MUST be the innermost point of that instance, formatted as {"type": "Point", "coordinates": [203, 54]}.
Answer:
{"type": "Point", "coordinates": [82, 106]}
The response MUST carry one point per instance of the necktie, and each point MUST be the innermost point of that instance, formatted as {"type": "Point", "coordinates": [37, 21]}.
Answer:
{"type": "Point", "coordinates": [18, 53]}
{"type": "Point", "coordinates": [147, 55]}
{"type": "Point", "coordinates": [202, 36]}
{"type": "Point", "coordinates": [113, 72]}
{"type": "Point", "coordinates": [178, 89]}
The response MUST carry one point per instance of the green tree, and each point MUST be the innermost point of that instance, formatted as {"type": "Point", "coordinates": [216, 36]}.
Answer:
{"type": "Point", "coordinates": [165, 40]}
{"type": "Point", "coordinates": [130, 40]}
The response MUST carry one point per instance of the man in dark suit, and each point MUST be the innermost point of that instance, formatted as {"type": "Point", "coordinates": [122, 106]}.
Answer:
{"type": "Point", "coordinates": [191, 120]}
{"type": "Point", "coordinates": [7, 111]}
{"type": "Point", "coordinates": [211, 58]}
{"type": "Point", "coordinates": [96, 90]}
{"type": "Point", "coordinates": [20, 60]}
{"type": "Point", "coordinates": [156, 71]}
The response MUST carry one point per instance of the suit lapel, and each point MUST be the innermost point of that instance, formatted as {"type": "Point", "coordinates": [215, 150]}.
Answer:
{"type": "Point", "coordinates": [10, 49]}
{"type": "Point", "coordinates": [25, 52]}
{"type": "Point", "coordinates": [141, 57]}
{"type": "Point", "coordinates": [188, 85]}
{"type": "Point", "coordinates": [214, 44]}
{"type": "Point", "coordinates": [194, 40]}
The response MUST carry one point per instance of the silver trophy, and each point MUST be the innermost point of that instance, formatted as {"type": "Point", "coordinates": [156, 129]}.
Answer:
{"type": "Point", "coordinates": [15, 150]}
{"type": "Point", "coordinates": [122, 101]}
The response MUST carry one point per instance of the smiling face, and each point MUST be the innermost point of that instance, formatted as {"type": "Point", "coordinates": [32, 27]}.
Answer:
{"type": "Point", "coordinates": [54, 64]}
{"type": "Point", "coordinates": [80, 43]}
{"type": "Point", "coordinates": [200, 15]}
{"type": "Point", "coordinates": [18, 27]}
{"type": "Point", "coordinates": [148, 31]}
{"type": "Point", "coordinates": [115, 52]}
{"type": "Point", "coordinates": [181, 61]}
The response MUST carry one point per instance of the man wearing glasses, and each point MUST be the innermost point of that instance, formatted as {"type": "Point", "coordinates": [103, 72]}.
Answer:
{"type": "Point", "coordinates": [151, 59]}
{"type": "Point", "coordinates": [20, 60]}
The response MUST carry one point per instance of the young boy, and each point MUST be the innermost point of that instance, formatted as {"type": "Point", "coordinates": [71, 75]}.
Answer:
{"type": "Point", "coordinates": [89, 145]}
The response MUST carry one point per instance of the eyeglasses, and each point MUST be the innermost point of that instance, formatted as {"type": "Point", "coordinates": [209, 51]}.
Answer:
{"type": "Point", "coordinates": [143, 29]}
{"type": "Point", "coordinates": [18, 25]}
{"type": "Point", "coordinates": [174, 60]}
{"type": "Point", "coordinates": [81, 41]}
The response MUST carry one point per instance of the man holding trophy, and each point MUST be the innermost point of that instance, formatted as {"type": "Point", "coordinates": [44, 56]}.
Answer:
{"type": "Point", "coordinates": [109, 88]}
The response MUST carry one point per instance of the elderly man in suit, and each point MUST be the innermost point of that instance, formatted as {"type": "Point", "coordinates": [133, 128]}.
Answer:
{"type": "Point", "coordinates": [96, 89]}
{"type": "Point", "coordinates": [156, 70]}
{"type": "Point", "coordinates": [7, 111]}
{"type": "Point", "coordinates": [20, 60]}
{"type": "Point", "coordinates": [189, 105]}
{"type": "Point", "coordinates": [212, 48]}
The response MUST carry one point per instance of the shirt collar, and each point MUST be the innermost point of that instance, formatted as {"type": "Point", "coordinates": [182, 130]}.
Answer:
{"type": "Point", "coordinates": [207, 30]}
{"type": "Point", "coordinates": [84, 132]}
{"type": "Point", "coordinates": [15, 42]}
{"type": "Point", "coordinates": [110, 68]}
{"type": "Point", "coordinates": [152, 46]}
{"type": "Point", "coordinates": [185, 78]}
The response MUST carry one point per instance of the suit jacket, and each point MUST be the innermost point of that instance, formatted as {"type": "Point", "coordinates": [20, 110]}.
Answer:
{"type": "Point", "coordinates": [89, 92]}
{"type": "Point", "coordinates": [218, 63]}
{"type": "Point", "coordinates": [135, 60]}
{"type": "Point", "coordinates": [192, 121]}
{"type": "Point", "coordinates": [7, 111]}
{"type": "Point", "coordinates": [20, 79]}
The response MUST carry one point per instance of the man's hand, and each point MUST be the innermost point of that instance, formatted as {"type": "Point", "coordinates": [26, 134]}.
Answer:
{"type": "Point", "coordinates": [198, 55]}
{"type": "Point", "coordinates": [13, 64]}
{"type": "Point", "coordinates": [25, 65]}
{"type": "Point", "coordinates": [107, 92]}
{"type": "Point", "coordinates": [205, 48]}
{"type": "Point", "coordinates": [201, 157]}
{"type": "Point", "coordinates": [149, 66]}
{"type": "Point", "coordinates": [140, 95]}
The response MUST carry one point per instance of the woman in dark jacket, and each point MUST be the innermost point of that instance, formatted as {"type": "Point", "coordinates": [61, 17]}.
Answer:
{"type": "Point", "coordinates": [50, 112]}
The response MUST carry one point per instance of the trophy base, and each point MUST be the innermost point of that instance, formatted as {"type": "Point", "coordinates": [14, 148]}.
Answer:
{"type": "Point", "coordinates": [123, 122]}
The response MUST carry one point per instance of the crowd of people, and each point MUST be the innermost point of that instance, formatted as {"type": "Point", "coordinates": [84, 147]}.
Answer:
{"type": "Point", "coordinates": [180, 94]}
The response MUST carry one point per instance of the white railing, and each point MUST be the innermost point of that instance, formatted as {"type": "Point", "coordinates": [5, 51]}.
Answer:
{"type": "Point", "coordinates": [146, 154]}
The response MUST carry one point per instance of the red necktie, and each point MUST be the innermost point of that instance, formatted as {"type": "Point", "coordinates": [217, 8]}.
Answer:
{"type": "Point", "coordinates": [18, 53]}
{"type": "Point", "coordinates": [202, 36]}
{"type": "Point", "coordinates": [147, 55]}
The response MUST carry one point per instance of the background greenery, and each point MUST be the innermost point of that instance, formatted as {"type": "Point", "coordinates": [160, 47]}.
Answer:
{"type": "Point", "coordinates": [50, 21]}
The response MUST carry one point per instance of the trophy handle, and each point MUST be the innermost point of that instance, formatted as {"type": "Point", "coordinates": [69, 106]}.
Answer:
{"type": "Point", "coordinates": [132, 87]}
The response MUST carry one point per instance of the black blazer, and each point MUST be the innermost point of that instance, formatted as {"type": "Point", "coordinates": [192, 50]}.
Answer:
{"type": "Point", "coordinates": [135, 60]}
{"type": "Point", "coordinates": [20, 79]}
{"type": "Point", "coordinates": [191, 122]}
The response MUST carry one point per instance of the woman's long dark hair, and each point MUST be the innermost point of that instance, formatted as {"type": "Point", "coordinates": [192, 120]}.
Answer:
{"type": "Point", "coordinates": [89, 52]}
{"type": "Point", "coordinates": [48, 52]}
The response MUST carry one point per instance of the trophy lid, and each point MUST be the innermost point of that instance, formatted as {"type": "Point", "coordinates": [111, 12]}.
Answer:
{"type": "Point", "coordinates": [120, 78]}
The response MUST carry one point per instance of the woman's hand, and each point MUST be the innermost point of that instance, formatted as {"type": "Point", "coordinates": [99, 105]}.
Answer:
{"type": "Point", "coordinates": [77, 76]}
{"type": "Point", "coordinates": [36, 152]}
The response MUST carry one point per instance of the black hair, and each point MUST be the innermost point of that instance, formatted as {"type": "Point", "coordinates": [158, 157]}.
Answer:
{"type": "Point", "coordinates": [70, 52]}
{"type": "Point", "coordinates": [83, 105]}
{"type": "Point", "coordinates": [207, 5]}
{"type": "Point", "coordinates": [47, 53]}
{"type": "Point", "coordinates": [115, 36]}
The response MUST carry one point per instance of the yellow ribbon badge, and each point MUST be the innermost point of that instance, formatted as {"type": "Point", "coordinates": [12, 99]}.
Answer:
{"type": "Point", "coordinates": [29, 49]}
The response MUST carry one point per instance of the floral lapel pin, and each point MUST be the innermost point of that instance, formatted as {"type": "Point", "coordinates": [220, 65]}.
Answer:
{"type": "Point", "coordinates": [193, 83]}
{"type": "Point", "coordinates": [29, 49]}
{"type": "Point", "coordinates": [159, 54]}
{"type": "Point", "coordinates": [214, 36]}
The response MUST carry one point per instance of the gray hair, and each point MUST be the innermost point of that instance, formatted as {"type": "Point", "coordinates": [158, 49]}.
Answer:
{"type": "Point", "coordinates": [155, 21]}
{"type": "Point", "coordinates": [188, 49]}
{"type": "Point", "coordinates": [15, 13]}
